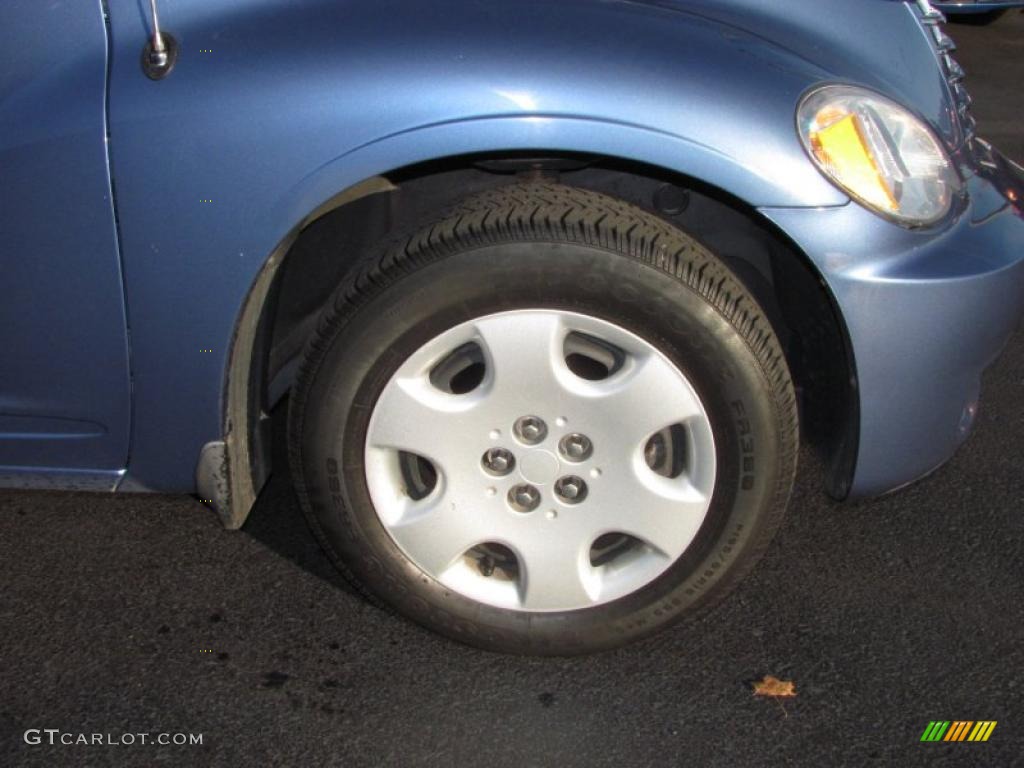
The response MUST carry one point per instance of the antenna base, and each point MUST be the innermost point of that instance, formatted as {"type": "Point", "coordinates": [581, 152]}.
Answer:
{"type": "Point", "coordinates": [158, 64]}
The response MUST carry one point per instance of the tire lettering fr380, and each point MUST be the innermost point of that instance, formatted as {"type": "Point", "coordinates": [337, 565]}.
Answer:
{"type": "Point", "coordinates": [746, 445]}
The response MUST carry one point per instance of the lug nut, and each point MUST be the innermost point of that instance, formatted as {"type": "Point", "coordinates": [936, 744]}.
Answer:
{"type": "Point", "coordinates": [524, 498]}
{"type": "Point", "coordinates": [498, 461]}
{"type": "Point", "coordinates": [655, 451]}
{"type": "Point", "coordinates": [530, 429]}
{"type": "Point", "coordinates": [576, 447]}
{"type": "Point", "coordinates": [571, 489]}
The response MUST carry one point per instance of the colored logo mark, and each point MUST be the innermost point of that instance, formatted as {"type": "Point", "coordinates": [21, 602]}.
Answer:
{"type": "Point", "coordinates": [958, 730]}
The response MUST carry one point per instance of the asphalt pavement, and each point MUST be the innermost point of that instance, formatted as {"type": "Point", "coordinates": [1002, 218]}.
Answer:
{"type": "Point", "coordinates": [138, 614]}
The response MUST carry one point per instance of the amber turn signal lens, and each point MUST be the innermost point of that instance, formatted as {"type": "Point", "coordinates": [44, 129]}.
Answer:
{"type": "Point", "coordinates": [840, 148]}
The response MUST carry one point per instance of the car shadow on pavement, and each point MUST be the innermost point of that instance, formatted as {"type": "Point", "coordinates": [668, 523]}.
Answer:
{"type": "Point", "coordinates": [276, 520]}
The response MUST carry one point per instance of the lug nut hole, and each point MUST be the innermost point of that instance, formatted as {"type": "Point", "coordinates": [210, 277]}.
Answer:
{"type": "Point", "coordinates": [523, 498]}
{"type": "Point", "coordinates": [575, 447]}
{"type": "Point", "coordinates": [571, 489]}
{"type": "Point", "coordinates": [498, 461]}
{"type": "Point", "coordinates": [530, 429]}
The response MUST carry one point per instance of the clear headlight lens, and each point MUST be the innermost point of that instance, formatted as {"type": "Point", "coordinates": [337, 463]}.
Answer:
{"type": "Point", "coordinates": [878, 152]}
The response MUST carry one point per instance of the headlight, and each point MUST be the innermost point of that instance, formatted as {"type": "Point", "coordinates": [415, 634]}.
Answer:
{"type": "Point", "coordinates": [878, 152]}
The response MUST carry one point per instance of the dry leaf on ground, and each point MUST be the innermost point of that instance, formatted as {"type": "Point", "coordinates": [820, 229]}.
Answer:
{"type": "Point", "coordinates": [772, 686]}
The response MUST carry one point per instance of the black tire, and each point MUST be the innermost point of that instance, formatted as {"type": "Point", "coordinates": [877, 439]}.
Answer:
{"type": "Point", "coordinates": [548, 245]}
{"type": "Point", "coordinates": [977, 19]}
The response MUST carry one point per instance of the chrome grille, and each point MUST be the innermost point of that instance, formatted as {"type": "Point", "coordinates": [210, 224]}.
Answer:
{"type": "Point", "coordinates": [944, 47]}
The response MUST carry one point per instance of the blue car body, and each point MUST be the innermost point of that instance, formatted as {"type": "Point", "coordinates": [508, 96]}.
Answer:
{"type": "Point", "coordinates": [146, 220]}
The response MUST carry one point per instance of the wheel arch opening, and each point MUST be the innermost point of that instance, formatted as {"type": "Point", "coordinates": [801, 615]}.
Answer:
{"type": "Point", "coordinates": [298, 278]}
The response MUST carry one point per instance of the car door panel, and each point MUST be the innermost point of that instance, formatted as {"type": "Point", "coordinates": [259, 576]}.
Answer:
{"type": "Point", "coordinates": [64, 370]}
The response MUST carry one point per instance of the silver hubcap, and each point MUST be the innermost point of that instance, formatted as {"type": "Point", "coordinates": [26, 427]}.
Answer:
{"type": "Point", "coordinates": [540, 460]}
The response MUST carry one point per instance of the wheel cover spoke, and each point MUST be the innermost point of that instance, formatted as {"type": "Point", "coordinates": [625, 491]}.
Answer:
{"type": "Point", "coordinates": [524, 352]}
{"type": "Point", "coordinates": [541, 510]}
{"type": "Point", "coordinates": [412, 415]}
{"type": "Point", "coordinates": [435, 532]}
{"type": "Point", "coordinates": [663, 513]}
{"type": "Point", "coordinates": [557, 573]}
{"type": "Point", "coordinates": [646, 397]}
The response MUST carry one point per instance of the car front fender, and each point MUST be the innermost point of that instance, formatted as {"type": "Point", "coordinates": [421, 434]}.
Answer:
{"type": "Point", "coordinates": [275, 109]}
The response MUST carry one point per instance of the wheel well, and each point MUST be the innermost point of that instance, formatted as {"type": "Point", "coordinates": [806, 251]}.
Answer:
{"type": "Point", "coordinates": [338, 236]}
